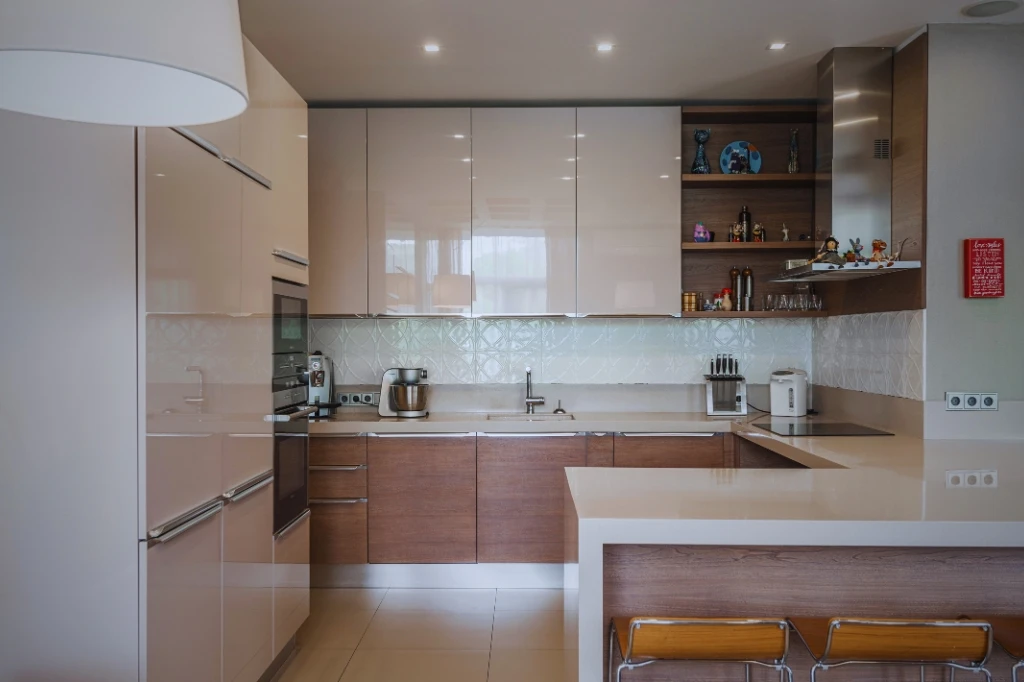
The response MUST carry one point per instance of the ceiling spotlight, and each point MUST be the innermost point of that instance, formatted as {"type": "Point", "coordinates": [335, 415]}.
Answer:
{"type": "Point", "coordinates": [303, 137]}
{"type": "Point", "coordinates": [604, 47]}
{"type": "Point", "coordinates": [466, 160]}
{"type": "Point", "coordinates": [777, 46]}
{"type": "Point", "coordinates": [990, 8]}
{"type": "Point", "coordinates": [459, 137]}
{"type": "Point", "coordinates": [567, 177]}
{"type": "Point", "coordinates": [431, 47]}
{"type": "Point", "coordinates": [579, 135]}
{"type": "Point", "coordinates": [664, 177]}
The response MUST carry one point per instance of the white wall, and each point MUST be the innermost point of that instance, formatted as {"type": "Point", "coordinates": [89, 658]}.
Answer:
{"type": "Point", "coordinates": [975, 189]}
{"type": "Point", "coordinates": [68, 434]}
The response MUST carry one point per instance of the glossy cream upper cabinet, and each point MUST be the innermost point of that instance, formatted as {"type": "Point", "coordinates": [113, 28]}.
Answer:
{"type": "Point", "coordinates": [419, 198]}
{"type": "Point", "coordinates": [524, 211]}
{"type": "Point", "coordinates": [193, 222]}
{"type": "Point", "coordinates": [629, 210]}
{"type": "Point", "coordinates": [274, 131]}
{"type": "Point", "coordinates": [337, 212]}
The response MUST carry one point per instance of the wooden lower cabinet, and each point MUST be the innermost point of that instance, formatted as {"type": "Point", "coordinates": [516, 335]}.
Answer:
{"type": "Point", "coordinates": [753, 456]}
{"type": "Point", "coordinates": [337, 450]}
{"type": "Point", "coordinates": [521, 496]}
{"type": "Point", "coordinates": [674, 451]}
{"type": "Point", "coordinates": [338, 532]}
{"type": "Point", "coordinates": [422, 493]}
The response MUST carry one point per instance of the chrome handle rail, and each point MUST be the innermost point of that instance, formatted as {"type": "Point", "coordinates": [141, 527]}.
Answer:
{"type": "Point", "coordinates": [326, 467]}
{"type": "Point", "coordinates": [422, 435]}
{"type": "Point", "coordinates": [291, 526]}
{"type": "Point", "coordinates": [289, 256]}
{"type": "Point", "coordinates": [249, 172]}
{"type": "Point", "coordinates": [249, 487]}
{"type": "Point", "coordinates": [339, 500]}
{"type": "Point", "coordinates": [166, 537]}
{"type": "Point", "coordinates": [294, 416]}
{"type": "Point", "coordinates": [559, 434]}
{"type": "Point", "coordinates": [667, 435]}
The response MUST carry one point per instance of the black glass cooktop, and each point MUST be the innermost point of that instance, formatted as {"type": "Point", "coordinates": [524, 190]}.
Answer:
{"type": "Point", "coordinates": [785, 427]}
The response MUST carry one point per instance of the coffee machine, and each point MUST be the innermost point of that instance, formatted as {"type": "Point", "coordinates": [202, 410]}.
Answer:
{"type": "Point", "coordinates": [403, 393]}
{"type": "Point", "coordinates": [321, 383]}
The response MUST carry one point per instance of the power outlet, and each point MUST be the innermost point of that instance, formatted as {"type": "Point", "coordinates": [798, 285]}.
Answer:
{"type": "Point", "coordinates": [954, 401]}
{"type": "Point", "coordinates": [972, 401]}
{"type": "Point", "coordinates": [990, 401]}
{"type": "Point", "coordinates": [979, 478]}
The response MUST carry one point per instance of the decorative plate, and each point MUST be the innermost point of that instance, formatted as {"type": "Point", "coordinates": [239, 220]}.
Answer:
{"type": "Point", "coordinates": [736, 155]}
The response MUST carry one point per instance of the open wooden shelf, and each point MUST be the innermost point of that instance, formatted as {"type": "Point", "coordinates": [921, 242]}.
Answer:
{"type": "Point", "coordinates": [749, 246]}
{"type": "Point", "coordinates": [719, 180]}
{"type": "Point", "coordinates": [752, 113]}
{"type": "Point", "coordinates": [758, 314]}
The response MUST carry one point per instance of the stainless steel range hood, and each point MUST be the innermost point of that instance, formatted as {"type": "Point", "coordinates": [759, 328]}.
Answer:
{"type": "Point", "coordinates": [853, 164]}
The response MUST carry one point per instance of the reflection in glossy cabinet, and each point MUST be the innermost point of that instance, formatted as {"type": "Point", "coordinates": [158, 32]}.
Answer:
{"type": "Point", "coordinates": [337, 212]}
{"type": "Point", "coordinates": [291, 582]}
{"type": "Point", "coordinates": [419, 211]}
{"type": "Point", "coordinates": [246, 456]}
{"type": "Point", "coordinates": [629, 210]}
{"type": "Point", "coordinates": [248, 585]}
{"type": "Point", "coordinates": [524, 211]}
{"type": "Point", "coordinates": [183, 613]}
{"type": "Point", "coordinates": [193, 227]}
{"type": "Point", "coordinates": [183, 471]}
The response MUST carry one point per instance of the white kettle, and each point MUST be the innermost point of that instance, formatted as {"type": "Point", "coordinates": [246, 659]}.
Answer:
{"type": "Point", "coordinates": [789, 393]}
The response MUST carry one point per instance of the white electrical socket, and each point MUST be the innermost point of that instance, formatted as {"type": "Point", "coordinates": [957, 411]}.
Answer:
{"type": "Point", "coordinates": [967, 478]}
{"type": "Point", "coordinates": [989, 478]}
{"type": "Point", "coordinates": [990, 401]}
{"type": "Point", "coordinates": [972, 401]}
{"type": "Point", "coordinates": [954, 401]}
{"type": "Point", "coordinates": [954, 479]}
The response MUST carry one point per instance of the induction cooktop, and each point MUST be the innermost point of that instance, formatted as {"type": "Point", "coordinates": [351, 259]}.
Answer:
{"type": "Point", "coordinates": [814, 429]}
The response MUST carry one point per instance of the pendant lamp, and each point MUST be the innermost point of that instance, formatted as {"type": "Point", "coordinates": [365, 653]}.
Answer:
{"type": "Point", "coordinates": [123, 62]}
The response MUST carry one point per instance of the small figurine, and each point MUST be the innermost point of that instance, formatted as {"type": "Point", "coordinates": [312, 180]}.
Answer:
{"type": "Point", "coordinates": [851, 257]}
{"type": "Point", "coordinates": [758, 232]}
{"type": "Point", "coordinates": [829, 253]}
{"type": "Point", "coordinates": [785, 233]}
{"type": "Point", "coordinates": [701, 165]}
{"type": "Point", "coordinates": [856, 248]}
{"type": "Point", "coordinates": [739, 163]}
{"type": "Point", "coordinates": [736, 233]}
{"type": "Point", "coordinates": [726, 299]}
{"type": "Point", "coordinates": [878, 250]}
{"type": "Point", "coordinates": [701, 234]}
{"type": "Point", "coordinates": [895, 257]}
{"type": "Point", "coordinates": [794, 151]}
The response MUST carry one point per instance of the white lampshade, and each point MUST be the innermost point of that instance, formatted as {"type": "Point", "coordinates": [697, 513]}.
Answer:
{"type": "Point", "coordinates": [123, 62]}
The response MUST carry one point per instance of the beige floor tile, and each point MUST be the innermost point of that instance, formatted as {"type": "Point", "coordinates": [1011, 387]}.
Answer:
{"type": "Point", "coordinates": [316, 665]}
{"type": "Point", "coordinates": [423, 630]}
{"type": "Point", "coordinates": [349, 599]}
{"type": "Point", "coordinates": [335, 628]}
{"type": "Point", "coordinates": [534, 666]}
{"type": "Point", "coordinates": [537, 600]}
{"type": "Point", "coordinates": [535, 630]}
{"type": "Point", "coordinates": [417, 666]}
{"type": "Point", "coordinates": [439, 601]}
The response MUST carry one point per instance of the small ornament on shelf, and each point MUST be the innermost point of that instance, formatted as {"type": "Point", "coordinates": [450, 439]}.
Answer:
{"type": "Point", "coordinates": [829, 253]}
{"type": "Point", "coordinates": [794, 151]}
{"type": "Point", "coordinates": [785, 233]}
{"type": "Point", "coordinates": [736, 233]}
{"type": "Point", "coordinates": [701, 165]}
{"type": "Point", "coordinates": [727, 299]}
{"type": "Point", "coordinates": [878, 247]}
{"type": "Point", "coordinates": [758, 232]}
{"type": "Point", "coordinates": [855, 248]}
{"type": "Point", "coordinates": [701, 234]}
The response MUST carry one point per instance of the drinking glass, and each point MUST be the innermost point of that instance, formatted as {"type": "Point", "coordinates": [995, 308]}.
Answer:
{"type": "Point", "coordinates": [782, 302]}
{"type": "Point", "coordinates": [816, 302]}
{"type": "Point", "coordinates": [768, 302]}
{"type": "Point", "coordinates": [801, 302]}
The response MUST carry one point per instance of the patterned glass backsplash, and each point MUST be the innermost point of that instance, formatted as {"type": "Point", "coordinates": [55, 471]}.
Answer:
{"type": "Point", "coordinates": [560, 350]}
{"type": "Point", "coordinates": [876, 353]}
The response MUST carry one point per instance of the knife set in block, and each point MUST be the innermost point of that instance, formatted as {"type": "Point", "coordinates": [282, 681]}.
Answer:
{"type": "Point", "coordinates": [726, 388]}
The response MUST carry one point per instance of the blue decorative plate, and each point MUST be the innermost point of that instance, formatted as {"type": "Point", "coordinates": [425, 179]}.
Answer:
{"type": "Point", "coordinates": [737, 154]}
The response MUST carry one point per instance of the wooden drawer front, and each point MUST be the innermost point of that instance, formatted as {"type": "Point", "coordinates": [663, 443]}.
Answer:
{"type": "Point", "coordinates": [600, 449]}
{"type": "Point", "coordinates": [337, 450]}
{"type": "Point", "coordinates": [422, 500]}
{"type": "Point", "coordinates": [338, 533]}
{"type": "Point", "coordinates": [521, 496]}
{"type": "Point", "coordinates": [343, 481]}
{"type": "Point", "coordinates": [753, 456]}
{"type": "Point", "coordinates": [670, 452]}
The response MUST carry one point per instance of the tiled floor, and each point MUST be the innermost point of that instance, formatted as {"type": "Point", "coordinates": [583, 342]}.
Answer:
{"type": "Point", "coordinates": [394, 635]}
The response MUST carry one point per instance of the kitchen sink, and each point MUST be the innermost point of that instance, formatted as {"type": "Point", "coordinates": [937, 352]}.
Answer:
{"type": "Point", "coordinates": [523, 417]}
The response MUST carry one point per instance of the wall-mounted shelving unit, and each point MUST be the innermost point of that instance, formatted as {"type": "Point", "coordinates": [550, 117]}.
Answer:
{"type": "Point", "coordinates": [773, 196]}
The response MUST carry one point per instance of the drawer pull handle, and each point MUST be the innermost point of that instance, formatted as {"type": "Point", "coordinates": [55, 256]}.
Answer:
{"type": "Point", "coordinates": [342, 500]}
{"type": "Point", "coordinates": [319, 467]}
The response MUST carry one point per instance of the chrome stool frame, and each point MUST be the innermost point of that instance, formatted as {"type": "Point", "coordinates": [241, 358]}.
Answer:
{"type": "Point", "coordinates": [785, 672]}
{"type": "Point", "coordinates": [821, 664]}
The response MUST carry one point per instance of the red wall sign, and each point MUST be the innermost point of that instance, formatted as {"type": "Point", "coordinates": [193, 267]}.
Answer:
{"type": "Point", "coordinates": [984, 268]}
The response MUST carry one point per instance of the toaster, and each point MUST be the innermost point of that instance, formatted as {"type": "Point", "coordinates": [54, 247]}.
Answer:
{"type": "Point", "coordinates": [789, 393]}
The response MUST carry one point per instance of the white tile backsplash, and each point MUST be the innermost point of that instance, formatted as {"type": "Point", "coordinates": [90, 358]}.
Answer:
{"type": "Point", "coordinates": [560, 350]}
{"type": "Point", "coordinates": [876, 353]}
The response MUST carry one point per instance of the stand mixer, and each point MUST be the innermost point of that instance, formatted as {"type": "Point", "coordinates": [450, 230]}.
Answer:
{"type": "Point", "coordinates": [402, 394]}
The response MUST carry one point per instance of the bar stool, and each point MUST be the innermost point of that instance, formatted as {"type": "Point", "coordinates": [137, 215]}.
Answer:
{"type": "Point", "coordinates": [955, 644]}
{"type": "Point", "coordinates": [1009, 635]}
{"type": "Point", "coordinates": [752, 641]}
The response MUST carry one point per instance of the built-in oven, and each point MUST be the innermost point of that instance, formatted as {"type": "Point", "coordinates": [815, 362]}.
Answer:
{"type": "Point", "coordinates": [291, 409]}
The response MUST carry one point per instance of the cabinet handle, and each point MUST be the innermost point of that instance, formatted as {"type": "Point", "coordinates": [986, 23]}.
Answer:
{"type": "Point", "coordinates": [336, 435]}
{"type": "Point", "coordinates": [205, 145]}
{"type": "Point", "coordinates": [667, 435]}
{"type": "Point", "coordinates": [249, 172]}
{"type": "Point", "coordinates": [325, 467]}
{"type": "Point", "coordinates": [188, 525]}
{"type": "Point", "coordinates": [294, 416]}
{"type": "Point", "coordinates": [293, 257]}
{"type": "Point", "coordinates": [422, 435]}
{"type": "Point", "coordinates": [292, 526]}
{"type": "Point", "coordinates": [249, 487]}
{"type": "Point", "coordinates": [530, 435]}
{"type": "Point", "coordinates": [340, 500]}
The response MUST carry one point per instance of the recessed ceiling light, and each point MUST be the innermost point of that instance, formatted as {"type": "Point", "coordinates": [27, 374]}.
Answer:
{"type": "Point", "coordinates": [303, 137]}
{"type": "Point", "coordinates": [777, 46]}
{"type": "Point", "coordinates": [571, 159]}
{"type": "Point", "coordinates": [466, 160]}
{"type": "Point", "coordinates": [457, 136]}
{"type": "Point", "coordinates": [431, 47]}
{"type": "Point", "coordinates": [579, 135]}
{"type": "Point", "coordinates": [664, 177]}
{"type": "Point", "coordinates": [991, 8]}
{"type": "Point", "coordinates": [160, 175]}
{"type": "Point", "coordinates": [679, 158]}
{"type": "Point", "coordinates": [604, 47]}
{"type": "Point", "coordinates": [567, 177]}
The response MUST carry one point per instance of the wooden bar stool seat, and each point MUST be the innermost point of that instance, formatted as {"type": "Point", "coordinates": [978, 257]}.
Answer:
{"type": "Point", "coordinates": [1008, 632]}
{"type": "Point", "coordinates": [955, 644]}
{"type": "Point", "coordinates": [642, 641]}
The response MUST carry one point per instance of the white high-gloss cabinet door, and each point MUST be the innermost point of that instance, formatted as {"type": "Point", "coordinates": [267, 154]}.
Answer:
{"type": "Point", "coordinates": [183, 615]}
{"type": "Point", "coordinates": [337, 212]}
{"type": "Point", "coordinates": [419, 211]}
{"type": "Point", "coordinates": [193, 213]}
{"type": "Point", "coordinates": [248, 585]}
{"type": "Point", "coordinates": [629, 210]}
{"type": "Point", "coordinates": [524, 211]}
{"type": "Point", "coordinates": [291, 582]}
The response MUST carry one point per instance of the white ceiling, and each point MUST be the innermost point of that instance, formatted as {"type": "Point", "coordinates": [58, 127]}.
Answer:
{"type": "Point", "coordinates": [505, 50]}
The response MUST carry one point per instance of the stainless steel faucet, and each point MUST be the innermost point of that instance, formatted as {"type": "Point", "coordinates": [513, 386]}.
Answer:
{"type": "Point", "coordinates": [531, 400]}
